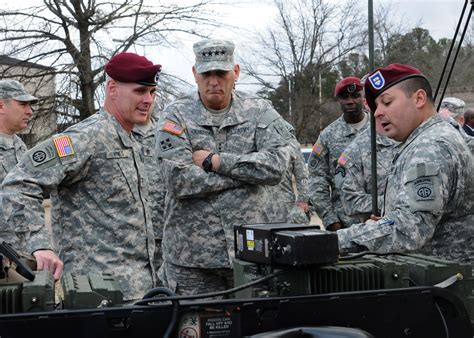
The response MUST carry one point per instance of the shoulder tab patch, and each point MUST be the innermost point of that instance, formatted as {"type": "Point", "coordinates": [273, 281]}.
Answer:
{"type": "Point", "coordinates": [172, 128]}
{"type": "Point", "coordinates": [318, 149]}
{"type": "Point", "coordinates": [342, 160]}
{"type": "Point", "coordinates": [63, 145]}
{"type": "Point", "coordinates": [42, 154]}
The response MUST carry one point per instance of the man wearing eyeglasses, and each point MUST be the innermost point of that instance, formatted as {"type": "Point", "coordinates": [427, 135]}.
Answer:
{"type": "Point", "coordinates": [331, 143]}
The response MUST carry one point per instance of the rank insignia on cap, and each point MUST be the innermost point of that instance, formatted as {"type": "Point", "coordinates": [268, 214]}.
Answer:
{"type": "Point", "coordinates": [317, 149]}
{"type": "Point", "coordinates": [172, 127]}
{"type": "Point", "coordinates": [63, 146]}
{"type": "Point", "coordinates": [342, 160]}
{"type": "Point", "coordinates": [351, 88]}
{"type": "Point", "coordinates": [377, 80]}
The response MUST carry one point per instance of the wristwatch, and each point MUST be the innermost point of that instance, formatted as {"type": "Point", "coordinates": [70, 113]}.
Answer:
{"type": "Point", "coordinates": [207, 163]}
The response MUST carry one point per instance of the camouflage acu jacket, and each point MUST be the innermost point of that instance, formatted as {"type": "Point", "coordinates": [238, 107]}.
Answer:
{"type": "Point", "coordinates": [354, 174]}
{"type": "Point", "coordinates": [322, 168]}
{"type": "Point", "coordinates": [11, 151]}
{"type": "Point", "coordinates": [99, 202]}
{"type": "Point", "coordinates": [204, 206]}
{"type": "Point", "coordinates": [156, 188]}
{"type": "Point", "coordinates": [284, 195]}
{"type": "Point", "coordinates": [429, 199]}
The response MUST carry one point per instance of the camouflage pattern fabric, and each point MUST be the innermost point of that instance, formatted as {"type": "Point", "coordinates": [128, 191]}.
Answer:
{"type": "Point", "coordinates": [203, 207]}
{"type": "Point", "coordinates": [429, 199]}
{"type": "Point", "coordinates": [156, 190]}
{"type": "Point", "coordinates": [284, 198]}
{"type": "Point", "coordinates": [354, 174]}
{"type": "Point", "coordinates": [99, 199]}
{"type": "Point", "coordinates": [469, 139]}
{"type": "Point", "coordinates": [322, 168]}
{"type": "Point", "coordinates": [213, 54]}
{"type": "Point", "coordinates": [196, 281]}
{"type": "Point", "coordinates": [11, 150]}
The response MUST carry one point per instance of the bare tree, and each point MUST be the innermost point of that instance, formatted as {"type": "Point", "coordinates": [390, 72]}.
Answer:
{"type": "Point", "coordinates": [300, 51]}
{"type": "Point", "coordinates": [75, 38]}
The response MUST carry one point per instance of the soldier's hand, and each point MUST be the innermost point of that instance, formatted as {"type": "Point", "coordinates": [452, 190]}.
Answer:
{"type": "Point", "coordinates": [334, 227]}
{"type": "Point", "coordinates": [47, 260]}
{"type": "Point", "coordinates": [199, 156]}
{"type": "Point", "coordinates": [304, 206]}
{"type": "Point", "coordinates": [375, 218]}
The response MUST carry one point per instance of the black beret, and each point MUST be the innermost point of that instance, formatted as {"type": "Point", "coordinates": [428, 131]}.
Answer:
{"type": "Point", "coordinates": [131, 67]}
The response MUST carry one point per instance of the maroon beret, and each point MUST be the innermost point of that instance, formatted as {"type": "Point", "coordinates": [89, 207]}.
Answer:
{"type": "Point", "coordinates": [385, 77]}
{"type": "Point", "coordinates": [350, 84]}
{"type": "Point", "coordinates": [131, 67]}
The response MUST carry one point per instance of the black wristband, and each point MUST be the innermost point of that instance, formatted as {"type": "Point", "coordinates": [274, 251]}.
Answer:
{"type": "Point", "coordinates": [207, 163]}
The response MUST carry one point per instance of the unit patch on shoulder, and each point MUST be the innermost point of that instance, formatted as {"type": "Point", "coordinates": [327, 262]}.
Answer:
{"type": "Point", "coordinates": [424, 189]}
{"type": "Point", "coordinates": [342, 160]}
{"type": "Point", "coordinates": [318, 149]}
{"type": "Point", "coordinates": [166, 144]}
{"type": "Point", "coordinates": [63, 145]}
{"type": "Point", "coordinates": [172, 127]}
{"type": "Point", "coordinates": [42, 154]}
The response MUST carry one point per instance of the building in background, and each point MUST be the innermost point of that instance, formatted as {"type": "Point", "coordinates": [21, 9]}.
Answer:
{"type": "Point", "coordinates": [40, 81]}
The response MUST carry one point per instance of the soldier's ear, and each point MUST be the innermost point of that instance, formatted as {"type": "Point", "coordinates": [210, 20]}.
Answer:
{"type": "Point", "coordinates": [421, 98]}
{"type": "Point", "coordinates": [236, 71]}
{"type": "Point", "coordinates": [195, 73]}
{"type": "Point", "coordinates": [112, 88]}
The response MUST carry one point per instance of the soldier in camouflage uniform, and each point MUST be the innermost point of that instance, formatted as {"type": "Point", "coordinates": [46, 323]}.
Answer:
{"type": "Point", "coordinates": [288, 206]}
{"type": "Point", "coordinates": [331, 143]}
{"type": "Point", "coordinates": [218, 149]}
{"type": "Point", "coordinates": [101, 199]}
{"type": "Point", "coordinates": [354, 175]}
{"type": "Point", "coordinates": [452, 110]}
{"type": "Point", "coordinates": [145, 135]}
{"type": "Point", "coordinates": [429, 198]}
{"type": "Point", "coordinates": [15, 112]}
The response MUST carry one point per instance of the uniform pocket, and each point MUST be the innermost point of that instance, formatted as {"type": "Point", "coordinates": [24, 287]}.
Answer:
{"type": "Point", "coordinates": [124, 162]}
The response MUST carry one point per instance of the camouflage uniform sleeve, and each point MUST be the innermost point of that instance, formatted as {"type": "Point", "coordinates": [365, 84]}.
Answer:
{"type": "Point", "coordinates": [268, 163]}
{"type": "Point", "coordinates": [411, 223]}
{"type": "Point", "coordinates": [38, 173]}
{"type": "Point", "coordinates": [3, 170]}
{"type": "Point", "coordinates": [320, 183]}
{"type": "Point", "coordinates": [181, 176]}
{"type": "Point", "coordinates": [301, 175]}
{"type": "Point", "coordinates": [349, 180]}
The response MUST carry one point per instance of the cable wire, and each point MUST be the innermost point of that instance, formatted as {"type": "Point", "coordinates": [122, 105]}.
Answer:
{"type": "Point", "coordinates": [213, 294]}
{"type": "Point", "coordinates": [364, 253]}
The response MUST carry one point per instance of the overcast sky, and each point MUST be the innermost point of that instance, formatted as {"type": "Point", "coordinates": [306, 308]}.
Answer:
{"type": "Point", "coordinates": [438, 16]}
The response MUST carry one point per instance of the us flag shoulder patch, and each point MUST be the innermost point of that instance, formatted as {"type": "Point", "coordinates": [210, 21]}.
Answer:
{"type": "Point", "coordinates": [318, 149]}
{"type": "Point", "coordinates": [172, 127]}
{"type": "Point", "coordinates": [343, 159]}
{"type": "Point", "coordinates": [63, 145]}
